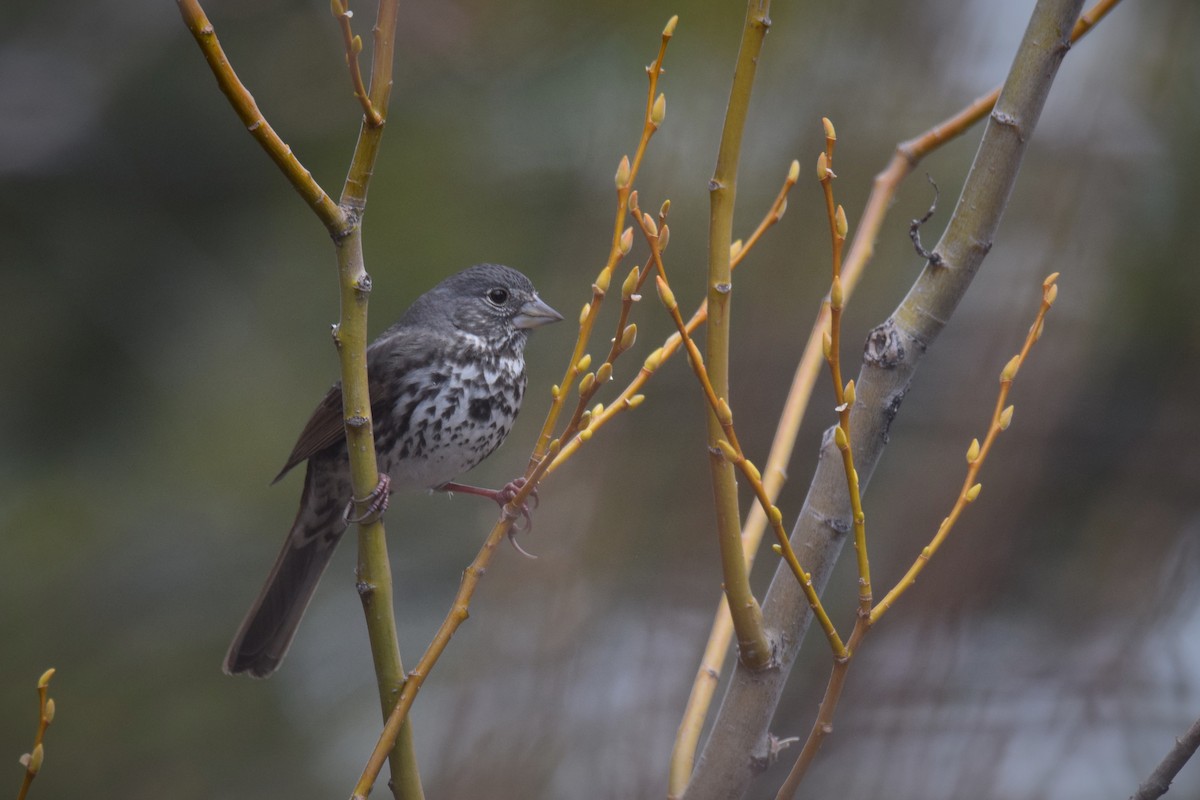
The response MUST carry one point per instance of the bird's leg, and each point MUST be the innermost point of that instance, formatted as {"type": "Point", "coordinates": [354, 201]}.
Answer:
{"type": "Point", "coordinates": [503, 497]}
{"type": "Point", "coordinates": [376, 500]}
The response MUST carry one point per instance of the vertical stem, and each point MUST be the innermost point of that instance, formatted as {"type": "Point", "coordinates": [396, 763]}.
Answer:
{"type": "Point", "coordinates": [374, 568]}
{"type": "Point", "coordinates": [753, 648]}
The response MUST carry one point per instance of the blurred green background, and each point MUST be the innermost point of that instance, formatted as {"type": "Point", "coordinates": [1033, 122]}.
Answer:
{"type": "Point", "coordinates": [166, 300]}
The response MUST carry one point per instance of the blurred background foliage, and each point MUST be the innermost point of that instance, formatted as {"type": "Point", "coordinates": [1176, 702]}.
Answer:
{"type": "Point", "coordinates": [166, 298]}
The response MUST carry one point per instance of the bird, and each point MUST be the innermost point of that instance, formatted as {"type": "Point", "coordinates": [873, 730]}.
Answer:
{"type": "Point", "coordinates": [446, 382]}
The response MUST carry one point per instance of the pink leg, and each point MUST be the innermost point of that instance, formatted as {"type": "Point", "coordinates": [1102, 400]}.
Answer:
{"type": "Point", "coordinates": [376, 500]}
{"type": "Point", "coordinates": [503, 497]}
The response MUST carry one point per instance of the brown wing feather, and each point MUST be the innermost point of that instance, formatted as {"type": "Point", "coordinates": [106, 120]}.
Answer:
{"type": "Point", "coordinates": [326, 426]}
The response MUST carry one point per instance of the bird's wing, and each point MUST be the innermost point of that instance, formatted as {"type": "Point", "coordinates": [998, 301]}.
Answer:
{"type": "Point", "coordinates": [326, 426]}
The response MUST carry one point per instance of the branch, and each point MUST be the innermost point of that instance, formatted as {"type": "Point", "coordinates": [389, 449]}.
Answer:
{"type": "Point", "coordinates": [32, 761]}
{"type": "Point", "coordinates": [247, 110]}
{"type": "Point", "coordinates": [739, 739]}
{"type": "Point", "coordinates": [344, 223]}
{"type": "Point", "coordinates": [546, 448]}
{"type": "Point", "coordinates": [886, 184]}
{"type": "Point", "coordinates": [1160, 779]}
{"type": "Point", "coordinates": [754, 650]}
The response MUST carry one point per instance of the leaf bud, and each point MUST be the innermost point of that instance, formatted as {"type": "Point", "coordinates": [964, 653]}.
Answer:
{"type": "Point", "coordinates": [623, 173]}
{"type": "Point", "coordinates": [659, 111]}
{"type": "Point", "coordinates": [628, 337]}
{"type": "Point", "coordinates": [664, 293]}
{"type": "Point", "coordinates": [1010, 369]}
{"type": "Point", "coordinates": [630, 284]}
{"type": "Point", "coordinates": [602, 281]}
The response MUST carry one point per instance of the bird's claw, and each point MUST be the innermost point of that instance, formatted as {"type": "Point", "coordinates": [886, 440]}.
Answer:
{"type": "Point", "coordinates": [522, 518]}
{"type": "Point", "coordinates": [376, 503]}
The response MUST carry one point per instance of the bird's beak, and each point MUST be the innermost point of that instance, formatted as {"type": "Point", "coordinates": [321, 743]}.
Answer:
{"type": "Point", "coordinates": [535, 314]}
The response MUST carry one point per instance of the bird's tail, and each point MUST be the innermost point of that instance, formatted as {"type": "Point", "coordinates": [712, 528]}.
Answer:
{"type": "Point", "coordinates": [267, 632]}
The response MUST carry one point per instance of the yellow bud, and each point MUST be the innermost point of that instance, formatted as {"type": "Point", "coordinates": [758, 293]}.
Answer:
{"type": "Point", "coordinates": [626, 243]}
{"type": "Point", "coordinates": [840, 439]}
{"type": "Point", "coordinates": [827, 345]}
{"type": "Point", "coordinates": [1037, 330]}
{"type": "Point", "coordinates": [727, 450]}
{"type": "Point", "coordinates": [830, 133]}
{"type": "Point", "coordinates": [628, 337]}
{"type": "Point", "coordinates": [653, 360]}
{"type": "Point", "coordinates": [630, 284]}
{"type": "Point", "coordinates": [835, 293]}
{"type": "Point", "coordinates": [664, 293]}
{"type": "Point", "coordinates": [1005, 418]}
{"type": "Point", "coordinates": [585, 419]}
{"type": "Point", "coordinates": [724, 412]}
{"type": "Point", "coordinates": [335, 7]}
{"type": "Point", "coordinates": [973, 492]}
{"type": "Point", "coordinates": [775, 516]}
{"type": "Point", "coordinates": [755, 475]}
{"type": "Point", "coordinates": [735, 249]}
{"type": "Point", "coordinates": [779, 212]}
{"type": "Point", "coordinates": [586, 383]}
{"type": "Point", "coordinates": [50, 708]}
{"type": "Point", "coordinates": [839, 222]}
{"type": "Point", "coordinates": [793, 171]}
{"type": "Point", "coordinates": [623, 172]}
{"type": "Point", "coordinates": [926, 553]}
{"type": "Point", "coordinates": [664, 209]}
{"type": "Point", "coordinates": [1052, 294]}
{"type": "Point", "coordinates": [854, 473]}
{"type": "Point", "coordinates": [583, 363]}
{"type": "Point", "coordinates": [601, 284]}
{"type": "Point", "coordinates": [554, 447]}
{"type": "Point", "coordinates": [649, 225]}
{"type": "Point", "coordinates": [44, 681]}
{"type": "Point", "coordinates": [973, 451]}
{"type": "Point", "coordinates": [356, 45]}
{"type": "Point", "coordinates": [635, 401]}
{"type": "Point", "coordinates": [1050, 280]}
{"type": "Point", "coordinates": [664, 236]}
{"type": "Point", "coordinates": [669, 31]}
{"type": "Point", "coordinates": [604, 372]}
{"type": "Point", "coordinates": [585, 435]}
{"type": "Point", "coordinates": [597, 409]}
{"type": "Point", "coordinates": [1010, 369]}
{"type": "Point", "coordinates": [35, 759]}
{"type": "Point", "coordinates": [848, 395]}
{"type": "Point", "coordinates": [822, 167]}
{"type": "Point", "coordinates": [555, 391]}
{"type": "Point", "coordinates": [777, 549]}
{"type": "Point", "coordinates": [659, 111]}
{"type": "Point", "coordinates": [585, 312]}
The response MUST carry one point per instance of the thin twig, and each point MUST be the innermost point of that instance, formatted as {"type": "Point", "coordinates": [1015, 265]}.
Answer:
{"type": "Point", "coordinates": [1159, 781]}
{"type": "Point", "coordinates": [353, 44]}
{"type": "Point", "coordinates": [247, 110]}
{"type": "Point", "coordinates": [33, 760]}
{"type": "Point", "coordinates": [547, 448]}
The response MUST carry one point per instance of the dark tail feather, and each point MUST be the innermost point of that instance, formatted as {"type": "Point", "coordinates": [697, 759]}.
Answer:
{"type": "Point", "coordinates": [267, 632]}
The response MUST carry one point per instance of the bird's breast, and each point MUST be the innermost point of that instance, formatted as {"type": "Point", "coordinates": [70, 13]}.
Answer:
{"type": "Point", "coordinates": [448, 416]}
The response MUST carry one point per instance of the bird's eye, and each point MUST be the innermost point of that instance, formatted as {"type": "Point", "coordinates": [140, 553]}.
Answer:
{"type": "Point", "coordinates": [497, 296]}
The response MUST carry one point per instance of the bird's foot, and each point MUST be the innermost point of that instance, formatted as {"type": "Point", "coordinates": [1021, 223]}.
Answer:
{"type": "Point", "coordinates": [503, 497]}
{"type": "Point", "coordinates": [376, 503]}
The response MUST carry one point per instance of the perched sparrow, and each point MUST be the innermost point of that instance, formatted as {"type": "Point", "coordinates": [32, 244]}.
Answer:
{"type": "Point", "coordinates": [446, 383]}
